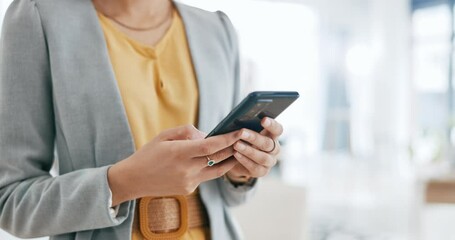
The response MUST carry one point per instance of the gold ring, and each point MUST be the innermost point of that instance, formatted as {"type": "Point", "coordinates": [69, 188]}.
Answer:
{"type": "Point", "coordinates": [273, 149]}
{"type": "Point", "coordinates": [210, 162]}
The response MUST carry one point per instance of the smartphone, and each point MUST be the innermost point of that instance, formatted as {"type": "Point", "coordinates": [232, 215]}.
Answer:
{"type": "Point", "coordinates": [249, 113]}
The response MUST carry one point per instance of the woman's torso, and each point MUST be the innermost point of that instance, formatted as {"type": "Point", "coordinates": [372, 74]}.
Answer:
{"type": "Point", "coordinates": [159, 91]}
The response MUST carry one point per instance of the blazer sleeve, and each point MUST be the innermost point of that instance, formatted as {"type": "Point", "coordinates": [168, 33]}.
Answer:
{"type": "Point", "coordinates": [234, 196]}
{"type": "Point", "coordinates": [32, 202]}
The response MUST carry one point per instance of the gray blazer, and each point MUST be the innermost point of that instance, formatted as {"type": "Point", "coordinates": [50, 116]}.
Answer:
{"type": "Point", "coordinates": [59, 101]}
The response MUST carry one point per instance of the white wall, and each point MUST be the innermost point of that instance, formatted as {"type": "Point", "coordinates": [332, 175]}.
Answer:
{"type": "Point", "coordinates": [3, 6]}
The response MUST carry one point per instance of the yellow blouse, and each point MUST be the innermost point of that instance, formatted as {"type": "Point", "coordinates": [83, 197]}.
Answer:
{"type": "Point", "coordinates": [158, 88]}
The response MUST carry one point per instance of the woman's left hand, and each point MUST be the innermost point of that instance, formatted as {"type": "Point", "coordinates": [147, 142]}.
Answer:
{"type": "Point", "coordinates": [256, 152]}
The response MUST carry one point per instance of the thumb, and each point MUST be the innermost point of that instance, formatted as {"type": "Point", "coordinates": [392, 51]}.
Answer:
{"type": "Point", "coordinates": [197, 135]}
{"type": "Point", "coordinates": [181, 133]}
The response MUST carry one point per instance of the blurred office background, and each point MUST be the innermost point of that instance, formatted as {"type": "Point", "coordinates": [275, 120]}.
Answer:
{"type": "Point", "coordinates": [373, 127]}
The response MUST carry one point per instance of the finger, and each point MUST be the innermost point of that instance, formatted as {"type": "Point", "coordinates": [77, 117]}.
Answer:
{"type": "Point", "coordinates": [181, 133]}
{"type": "Point", "coordinates": [264, 132]}
{"type": "Point", "coordinates": [262, 142]}
{"type": "Point", "coordinates": [277, 146]}
{"type": "Point", "coordinates": [218, 170]}
{"type": "Point", "coordinates": [272, 126]}
{"type": "Point", "coordinates": [240, 170]}
{"type": "Point", "coordinates": [256, 155]}
{"type": "Point", "coordinates": [254, 169]}
{"type": "Point", "coordinates": [222, 155]}
{"type": "Point", "coordinates": [211, 145]}
{"type": "Point", "coordinates": [216, 157]}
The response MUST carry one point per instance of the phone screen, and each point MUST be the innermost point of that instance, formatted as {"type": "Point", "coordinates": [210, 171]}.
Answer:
{"type": "Point", "coordinates": [249, 113]}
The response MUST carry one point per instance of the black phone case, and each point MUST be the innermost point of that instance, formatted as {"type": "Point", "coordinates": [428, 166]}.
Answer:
{"type": "Point", "coordinates": [249, 113]}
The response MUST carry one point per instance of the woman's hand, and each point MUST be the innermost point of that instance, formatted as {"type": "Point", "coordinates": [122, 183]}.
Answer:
{"type": "Point", "coordinates": [256, 152]}
{"type": "Point", "coordinates": [173, 163]}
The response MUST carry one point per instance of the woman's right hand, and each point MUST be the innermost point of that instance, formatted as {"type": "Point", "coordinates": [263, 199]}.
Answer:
{"type": "Point", "coordinates": [173, 163]}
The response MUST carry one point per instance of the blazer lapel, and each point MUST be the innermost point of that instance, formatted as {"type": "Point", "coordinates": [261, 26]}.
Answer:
{"type": "Point", "coordinates": [209, 66]}
{"type": "Point", "coordinates": [88, 103]}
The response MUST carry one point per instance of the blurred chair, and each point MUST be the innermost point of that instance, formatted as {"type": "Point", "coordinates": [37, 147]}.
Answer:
{"type": "Point", "coordinates": [276, 212]}
{"type": "Point", "coordinates": [440, 191]}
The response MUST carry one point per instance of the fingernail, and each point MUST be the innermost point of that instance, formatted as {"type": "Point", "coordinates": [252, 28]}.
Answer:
{"type": "Point", "coordinates": [245, 134]}
{"type": "Point", "coordinates": [267, 122]}
{"type": "Point", "coordinates": [237, 155]}
{"type": "Point", "coordinates": [241, 146]}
